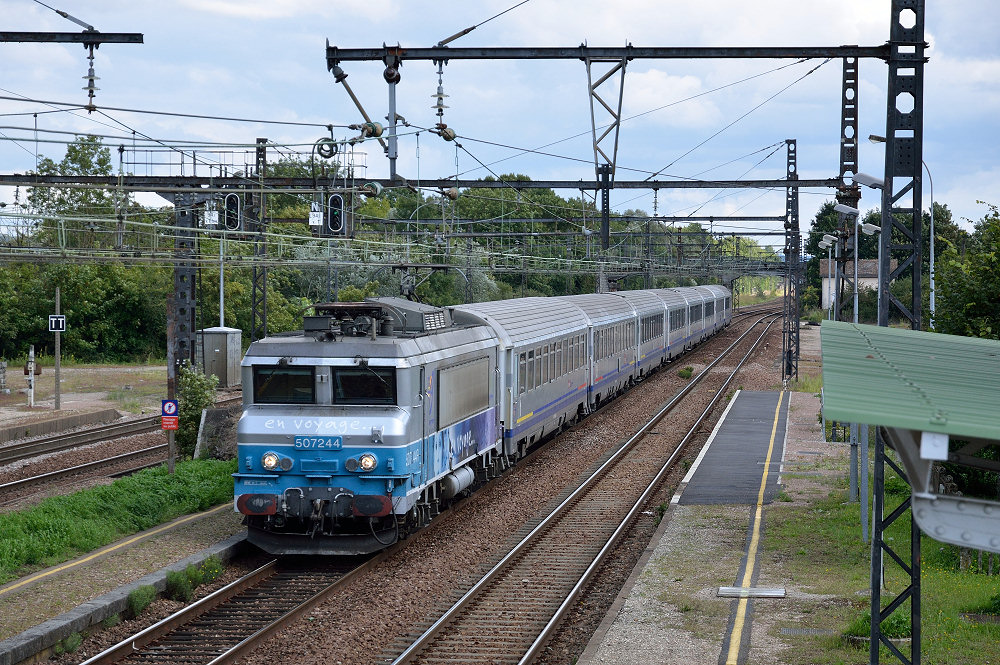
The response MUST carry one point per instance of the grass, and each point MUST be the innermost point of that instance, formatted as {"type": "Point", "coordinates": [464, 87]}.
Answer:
{"type": "Point", "coordinates": [807, 383]}
{"type": "Point", "coordinates": [819, 548]}
{"type": "Point", "coordinates": [133, 387]}
{"type": "Point", "coordinates": [63, 527]}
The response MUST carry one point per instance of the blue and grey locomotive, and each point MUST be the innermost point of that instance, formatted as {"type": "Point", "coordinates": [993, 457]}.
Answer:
{"type": "Point", "coordinates": [358, 429]}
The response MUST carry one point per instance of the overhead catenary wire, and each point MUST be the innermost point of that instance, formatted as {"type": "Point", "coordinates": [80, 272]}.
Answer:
{"type": "Point", "coordinates": [461, 33]}
{"type": "Point", "coordinates": [741, 117]}
{"type": "Point", "coordinates": [632, 117]}
{"type": "Point", "coordinates": [175, 114]}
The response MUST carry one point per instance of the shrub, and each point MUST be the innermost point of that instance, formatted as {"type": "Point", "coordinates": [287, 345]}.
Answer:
{"type": "Point", "coordinates": [211, 569]}
{"type": "Point", "coordinates": [897, 625]}
{"type": "Point", "coordinates": [686, 372]}
{"type": "Point", "coordinates": [111, 621]}
{"type": "Point", "coordinates": [195, 392]}
{"type": "Point", "coordinates": [72, 643]}
{"type": "Point", "coordinates": [194, 575]}
{"type": "Point", "coordinates": [140, 598]}
{"type": "Point", "coordinates": [178, 586]}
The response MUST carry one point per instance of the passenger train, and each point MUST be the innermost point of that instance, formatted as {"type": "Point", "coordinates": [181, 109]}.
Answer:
{"type": "Point", "coordinates": [359, 428]}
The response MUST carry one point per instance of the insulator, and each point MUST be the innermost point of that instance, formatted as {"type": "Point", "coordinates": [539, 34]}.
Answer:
{"type": "Point", "coordinates": [391, 75]}
{"type": "Point", "coordinates": [371, 129]}
{"type": "Point", "coordinates": [338, 74]}
{"type": "Point", "coordinates": [90, 78]}
{"type": "Point", "coordinates": [448, 134]}
{"type": "Point", "coordinates": [451, 192]}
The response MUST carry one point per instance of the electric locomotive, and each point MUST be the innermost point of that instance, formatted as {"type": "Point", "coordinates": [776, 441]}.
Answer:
{"type": "Point", "coordinates": [358, 429]}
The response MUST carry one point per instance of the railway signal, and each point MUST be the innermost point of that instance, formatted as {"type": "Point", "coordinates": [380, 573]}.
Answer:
{"type": "Point", "coordinates": [232, 212]}
{"type": "Point", "coordinates": [335, 220]}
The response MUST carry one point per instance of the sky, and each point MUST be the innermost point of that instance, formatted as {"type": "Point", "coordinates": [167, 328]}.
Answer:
{"type": "Point", "coordinates": [720, 119]}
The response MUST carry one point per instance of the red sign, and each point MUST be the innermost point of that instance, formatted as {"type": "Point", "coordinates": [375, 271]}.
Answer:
{"type": "Point", "coordinates": [169, 422]}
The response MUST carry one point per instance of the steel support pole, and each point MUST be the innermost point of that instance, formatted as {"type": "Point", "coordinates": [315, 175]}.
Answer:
{"type": "Point", "coordinates": [258, 221]}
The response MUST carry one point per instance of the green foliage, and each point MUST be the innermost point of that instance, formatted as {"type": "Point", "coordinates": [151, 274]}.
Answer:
{"type": "Point", "coordinates": [352, 293]}
{"type": "Point", "coordinates": [72, 642]}
{"type": "Point", "coordinates": [140, 598]}
{"type": "Point", "coordinates": [195, 392]}
{"type": "Point", "coordinates": [895, 626]}
{"type": "Point", "coordinates": [968, 283]}
{"type": "Point", "coordinates": [686, 372]}
{"type": "Point", "coordinates": [211, 569]}
{"type": "Point", "coordinates": [113, 620]}
{"type": "Point", "coordinates": [114, 313]}
{"type": "Point", "coordinates": [178, 586]}
{"type": "Point", "coordinates": [61, 527]}
{"type": "Point", "coordinates": [991, 606]}
{"type": "Point", "coordinates": [194, 575]}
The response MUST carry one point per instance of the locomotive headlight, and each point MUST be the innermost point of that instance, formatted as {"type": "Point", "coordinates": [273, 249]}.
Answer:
{"type": "Point", "coordinates": [367, 462]}
{"type": "Point", "coordinates": [270, 461]}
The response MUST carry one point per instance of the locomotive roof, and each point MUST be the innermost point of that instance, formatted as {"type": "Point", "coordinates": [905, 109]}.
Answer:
{"type": "Point", "coordinates": [399, 345]}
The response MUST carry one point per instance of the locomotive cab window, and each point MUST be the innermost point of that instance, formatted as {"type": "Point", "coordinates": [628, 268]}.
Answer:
{"type": "Point", "coordinates": [280, 384]}
{"type": "Point", "coordinates": [364, 385]}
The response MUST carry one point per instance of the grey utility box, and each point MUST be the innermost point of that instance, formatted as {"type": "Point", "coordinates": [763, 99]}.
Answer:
{"type": "Point", "coordinates": [219, 350]}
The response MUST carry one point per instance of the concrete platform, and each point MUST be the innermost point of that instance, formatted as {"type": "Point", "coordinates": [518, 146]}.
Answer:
{"type": "Point", "coordinates": [710, 537]}
{"type": "Point", "coordinates": [728, 470]}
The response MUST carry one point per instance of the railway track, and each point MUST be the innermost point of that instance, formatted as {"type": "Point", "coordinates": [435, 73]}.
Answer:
{"type": "Point", "coordinates": [229, 623]}
{"type": "Point", "coordinates": [510, 614]}
{"type": "Point", "coordinates": [515, 601]}
{"type": "Point", "coordinates": [52, 444]}
{"type": "Point", "coordinates": [80, 468]}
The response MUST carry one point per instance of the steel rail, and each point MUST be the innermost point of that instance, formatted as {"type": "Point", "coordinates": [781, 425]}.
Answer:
{"type": "Point", "coordinates": [165, 626]}
{"type": "Point", "coordinates": [198, 637]}
{"type": "Point", "coordinates": [554, 623]}
{"type": "Point", "coordinates": [492, 576]}
{"type": "Point", "coordinates": [52, 475]}
{"type": "Point", "coordinates": [52, 444]}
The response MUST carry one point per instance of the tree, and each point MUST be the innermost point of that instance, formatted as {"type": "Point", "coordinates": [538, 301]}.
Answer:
{"type": "Point", "coordinates": [967, 300]}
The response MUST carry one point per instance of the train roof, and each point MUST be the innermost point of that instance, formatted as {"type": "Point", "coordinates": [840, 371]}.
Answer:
{"type": "Point", "coordinates": [715, 290]}
{"type": "Point", "coordinates": [601, 308]}
{"type": "Point", "coordinates": [644, 301]}
{"type": "Point", "coordinates": [522, 321]}
{"type": "Point", "coordinates": [322, 351]}
{"type": "Point", "coordinates": [671, 297]}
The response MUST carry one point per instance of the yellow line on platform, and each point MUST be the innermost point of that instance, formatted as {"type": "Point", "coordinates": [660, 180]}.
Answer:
{"type": "Point", "coordinates": [741, 609]}
{"type": "Point", "coordinates": [108, 550]}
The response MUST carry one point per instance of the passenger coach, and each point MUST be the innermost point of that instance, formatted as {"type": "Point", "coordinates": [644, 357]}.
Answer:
{"type": "Point", "coordinates": [359, 428]}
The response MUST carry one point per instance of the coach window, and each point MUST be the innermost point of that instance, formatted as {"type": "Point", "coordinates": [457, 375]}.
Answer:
{"type": "Point", "coordinates": [281, 384]}
{"type": "Point", "coordinates": [545, 365]}
{"type": "Point", "coordinates": [538, 366]}
{"type": "Point", "coordinates": [521, 373]}
{"type": "Point", "coordinates": [529, 381]}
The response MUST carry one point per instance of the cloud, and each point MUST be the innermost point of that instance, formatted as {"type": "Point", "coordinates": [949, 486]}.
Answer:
{"type": "Point", "coordinates": [269, 9]}
{"type": "Point", "coordinates": [647, 93]}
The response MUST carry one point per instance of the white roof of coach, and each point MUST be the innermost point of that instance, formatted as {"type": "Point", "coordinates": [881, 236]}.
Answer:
{"type": "Point", "coordinates": [523, 321]}
{"type": "Point", "coordinates": [645, 302]}
{"type": "Point", "coordinates": [601, 308]}
{"type": "Point", "coordinates": [671, 297]}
